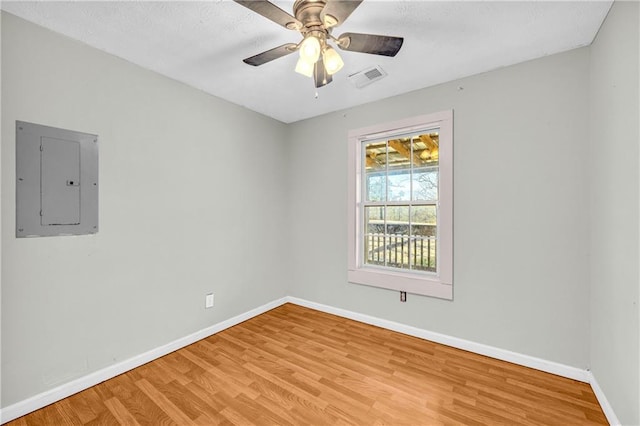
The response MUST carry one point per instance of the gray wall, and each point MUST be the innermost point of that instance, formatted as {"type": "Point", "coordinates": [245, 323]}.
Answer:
{"type": "Point", "coordinates": [521, 233]}
{"type": "Point", "coordinates": [191, 202]}
{"type": "Point", "coordinates": [615, 324]}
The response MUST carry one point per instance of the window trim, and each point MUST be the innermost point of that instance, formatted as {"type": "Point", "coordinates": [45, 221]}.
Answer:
{"type": "Point", "coordinates": [439, 284]}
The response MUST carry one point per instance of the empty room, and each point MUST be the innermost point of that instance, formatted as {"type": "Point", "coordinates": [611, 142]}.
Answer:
{"type": "Point", "coordinates": [320, 212]}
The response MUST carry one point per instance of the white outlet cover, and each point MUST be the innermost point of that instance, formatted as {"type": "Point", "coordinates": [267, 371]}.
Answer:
{"type": "Point", "coordinates": [209, 301]}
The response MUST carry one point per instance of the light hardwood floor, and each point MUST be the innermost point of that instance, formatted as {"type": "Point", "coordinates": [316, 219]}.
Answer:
{"type": "Point", "coordinates": [294, 365]}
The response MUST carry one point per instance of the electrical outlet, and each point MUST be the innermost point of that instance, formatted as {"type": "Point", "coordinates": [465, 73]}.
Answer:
{"type": "Point", "coordinates": [209, 301]}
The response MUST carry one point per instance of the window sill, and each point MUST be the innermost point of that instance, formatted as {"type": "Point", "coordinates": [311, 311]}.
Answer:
{"type": "Point", "coordinates": [415, 284]}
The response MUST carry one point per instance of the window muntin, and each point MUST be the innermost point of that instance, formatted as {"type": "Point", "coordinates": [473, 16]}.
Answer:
{"type": "Point", "coordinates": [400, 187]}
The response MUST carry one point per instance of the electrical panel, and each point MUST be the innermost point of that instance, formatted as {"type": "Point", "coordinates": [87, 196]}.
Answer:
{"type": "Point", "coordinates": [56, 181]}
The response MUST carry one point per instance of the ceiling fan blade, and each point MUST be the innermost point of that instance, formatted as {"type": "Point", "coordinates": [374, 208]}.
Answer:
{"type": "Point", "coordinates": [370, 43]}
{"type": "Point", "coordinates": [336, 11]}
{"type": "Point", "coordinates": [272, 12]}
{"type": "Point", "coordinates": [320, 75]}
{"type": "Point", "coordinates": [270, 55]}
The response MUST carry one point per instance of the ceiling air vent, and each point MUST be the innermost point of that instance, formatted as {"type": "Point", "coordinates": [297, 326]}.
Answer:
{"type": "Point", "coordinates": [367, 76]}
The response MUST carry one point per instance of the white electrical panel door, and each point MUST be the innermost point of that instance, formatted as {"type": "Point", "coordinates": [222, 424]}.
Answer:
{"type": "Point", "coordinates": [56, 181]}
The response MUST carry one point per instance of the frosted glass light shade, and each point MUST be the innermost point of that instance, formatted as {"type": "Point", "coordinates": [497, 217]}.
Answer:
{"type": "Point", "coordinates": [332, 61]}
{"type": "Point", "coordinates": [310, 49]}
{"type": "Point", "coordinates": [305, 68]}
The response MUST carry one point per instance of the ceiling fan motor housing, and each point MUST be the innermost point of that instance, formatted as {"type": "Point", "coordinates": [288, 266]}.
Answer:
{"type": "Point", "coordinates": [308, 13]}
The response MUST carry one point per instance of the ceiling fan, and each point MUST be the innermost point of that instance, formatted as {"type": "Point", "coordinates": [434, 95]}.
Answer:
{"type": "Point", "coordinates": [315, 20]}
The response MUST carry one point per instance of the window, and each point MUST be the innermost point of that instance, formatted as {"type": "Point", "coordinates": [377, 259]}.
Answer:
{"type": "Point", "coordinates": [401, 205]}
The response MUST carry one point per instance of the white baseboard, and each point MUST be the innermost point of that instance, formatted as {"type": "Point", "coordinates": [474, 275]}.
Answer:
{"type": "Point", "coordinates": [603, 401]}
{"type": "Point", "coordinates": [36, 402]}
{"type": "Point", "coordinates": [479, 348]}
{"type": "Point", "coordinates": [41, 400]}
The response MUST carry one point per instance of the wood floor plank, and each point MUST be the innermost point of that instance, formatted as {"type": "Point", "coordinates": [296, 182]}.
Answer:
{"type": "Point", "coordinates": [120, 412]}
{"type": "Point", "coordinates": [104, 419]}
{"type": "Point", "coordinates": [297, 366]}
{"type": "Point", "coordinates": [144, 410]}
{"type": "Point", "coordinates": [83, 408]}
{"type": "Point", "coordinates": [67, 413]}
{"type": "Point", "coordinates": [162, 401]}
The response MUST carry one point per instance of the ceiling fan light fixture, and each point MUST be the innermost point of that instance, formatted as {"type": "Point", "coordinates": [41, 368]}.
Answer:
{"type": "Point", "coordinates": [314, 20]}
{"type": "Point", "coordinates": [310, 49]}
{"type": "Point", "coordinates": [332, 60]}
{"type": "Point", "coordinates": [305, 68]}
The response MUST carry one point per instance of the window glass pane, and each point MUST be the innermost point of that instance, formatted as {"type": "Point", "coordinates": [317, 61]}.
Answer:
{"type": "Point", "coordinates": [425, 184]}
{"type": "Point", "coordinates": [375, 166]}
{"type": "Point", "coordinates": [425, 172]}
{"type": "Point", "coordinates": [374, 236]}
{"type": "Point", "coordinates": [400, 185]}
{"type": "Point", "coordinates": [403, 169]}
{"type": "Point", "coordinates": [397, 242]}
{"type": "Point", "coordinates": [399, 180]}
{"type": "Point", "coordinates": [424, 232]}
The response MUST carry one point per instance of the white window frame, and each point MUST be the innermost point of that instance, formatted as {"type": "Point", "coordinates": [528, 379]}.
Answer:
{"type": "Point", "coordinates": [440, 283]}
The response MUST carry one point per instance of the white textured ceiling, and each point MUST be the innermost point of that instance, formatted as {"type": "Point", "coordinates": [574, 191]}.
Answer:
{"type": "Point", "coordinates": [203, 43]}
